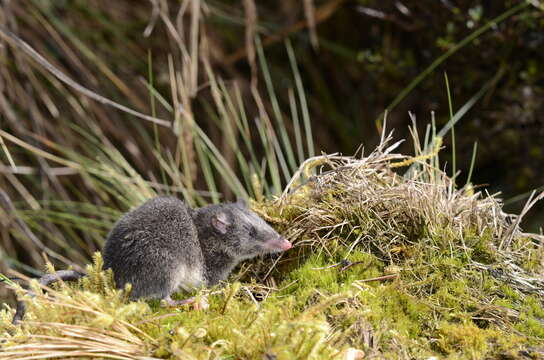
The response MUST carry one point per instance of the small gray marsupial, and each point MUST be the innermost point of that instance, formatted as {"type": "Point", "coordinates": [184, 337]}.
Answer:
{"type": "Point", "coordinates": [164, 246]}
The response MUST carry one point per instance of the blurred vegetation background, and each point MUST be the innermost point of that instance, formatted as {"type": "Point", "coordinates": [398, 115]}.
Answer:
{"type": "Point", "coordinates": [356, 58]}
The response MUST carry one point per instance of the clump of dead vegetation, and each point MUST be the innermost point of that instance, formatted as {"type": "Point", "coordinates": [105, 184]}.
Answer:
{"type": "Point", "coordinates": [389, 204]}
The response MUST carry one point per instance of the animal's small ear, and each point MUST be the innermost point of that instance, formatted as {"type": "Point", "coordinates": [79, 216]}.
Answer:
{"type": "Point", "coordinates": [220, 222]}
{"type": "Point", "coordinates": [241, 203]}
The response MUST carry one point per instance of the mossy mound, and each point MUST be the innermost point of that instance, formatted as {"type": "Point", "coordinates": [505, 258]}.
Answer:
{"type": "Point", "coordinates": [385, 266]}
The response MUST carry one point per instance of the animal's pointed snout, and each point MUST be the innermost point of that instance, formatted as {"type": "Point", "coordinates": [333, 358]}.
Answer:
{"type": "Point", "coordinates": [278, 243]}
{"type": "Point", "coordinates": [284, 243]}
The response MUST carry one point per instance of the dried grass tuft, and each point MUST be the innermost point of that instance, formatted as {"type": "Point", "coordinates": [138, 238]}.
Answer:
{"type": "Point", "coordinates": [394, 206]}
{"type": "Point", "coordinates": [73, 322]}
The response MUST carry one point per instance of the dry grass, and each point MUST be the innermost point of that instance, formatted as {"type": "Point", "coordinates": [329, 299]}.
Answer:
{"type": "Point", "coordinates": [350, 189]}
{"type": "Point", "coordinates": [68, 322]}
{"type": "Point", "coordinates": [365, 203]}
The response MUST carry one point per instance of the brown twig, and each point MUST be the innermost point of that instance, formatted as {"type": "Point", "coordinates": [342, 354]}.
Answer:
{"type": "Point", "coordinates": [309, 11]}
{"type": "Point", "coordinates": [349, 264]}
{"type": "Point", "coordinates": [344, 263]}
{"type": "Point", "coordinates": [321, 14]}
{"type": "Point", "coordinates": [251, 26]}
{"type": "Point", "coordinates": [379, 278]}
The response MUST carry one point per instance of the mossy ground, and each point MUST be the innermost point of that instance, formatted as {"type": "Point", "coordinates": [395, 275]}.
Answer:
{"type": "Point", "coordinates": [394, 267]}
{"type": "Point", "coordinates": [315, 313]}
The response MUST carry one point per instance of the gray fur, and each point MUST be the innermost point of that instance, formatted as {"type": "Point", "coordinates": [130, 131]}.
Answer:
{"type": "Point", "coordinates": [147, 246]}
{"type": "Point", "coordinates": [247, 237]}
{"type": "Point", "coordinates": [164, 246]}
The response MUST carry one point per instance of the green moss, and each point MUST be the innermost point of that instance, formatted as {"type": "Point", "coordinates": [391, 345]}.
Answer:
{"type": "Point", "coordinates": [531, 327]}
{"type": "Point", "coordinates": [276, 326]}
{"type": "Point", "coordinates": [532, 318]}
{"type": "Point", "coordinates": [462, 337]}
{"type": "Point", "coordinates": [319, 311]}
{"type": "Point", "coordinates": [480, 246]}
{"type": "Point", "coordinates": [534, 307]}
{"type": "Point", "coordinates": [533, 260]}
{"type": "Point", "coordinates": [510, 294]}
{"type": "Point", "coordinates": [465, 340]}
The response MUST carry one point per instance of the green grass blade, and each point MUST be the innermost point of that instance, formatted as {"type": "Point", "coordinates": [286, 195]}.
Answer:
{"type": "Point", "coordinates": [302, 99]}
{"type": "Point", "coordinates": [472, 162]}
{"type": "Point", "coordinates": [467, 40]}
{"type": "Point", "coordinates": [450, 106]}
{"type": "Point", "coordinates": [296, 126]}
{"type": "Point", "coordinates": [276, 108]}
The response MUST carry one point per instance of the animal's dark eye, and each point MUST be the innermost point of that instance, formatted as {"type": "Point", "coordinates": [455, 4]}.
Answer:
{"type": "Point", "coordinates": [252, 231]}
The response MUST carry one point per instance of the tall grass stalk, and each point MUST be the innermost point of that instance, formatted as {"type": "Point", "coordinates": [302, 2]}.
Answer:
{"type": "Point", "coordinates": [453, 150]}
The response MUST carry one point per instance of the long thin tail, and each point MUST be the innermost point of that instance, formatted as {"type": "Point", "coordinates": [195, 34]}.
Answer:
{"type": "Point", "coordinates": [46, 280]}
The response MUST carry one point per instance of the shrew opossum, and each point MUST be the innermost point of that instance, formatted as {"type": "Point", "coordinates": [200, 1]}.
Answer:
{"type": "Point", "coordinates": [164, 246]}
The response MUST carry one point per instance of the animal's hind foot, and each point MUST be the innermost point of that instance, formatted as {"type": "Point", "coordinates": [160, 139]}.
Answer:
{"type": "Point", "coordinates": [201, 304]}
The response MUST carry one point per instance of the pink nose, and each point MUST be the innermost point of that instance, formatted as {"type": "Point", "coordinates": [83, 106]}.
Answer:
{"type": "Point", "coordinates": [285, 244]}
